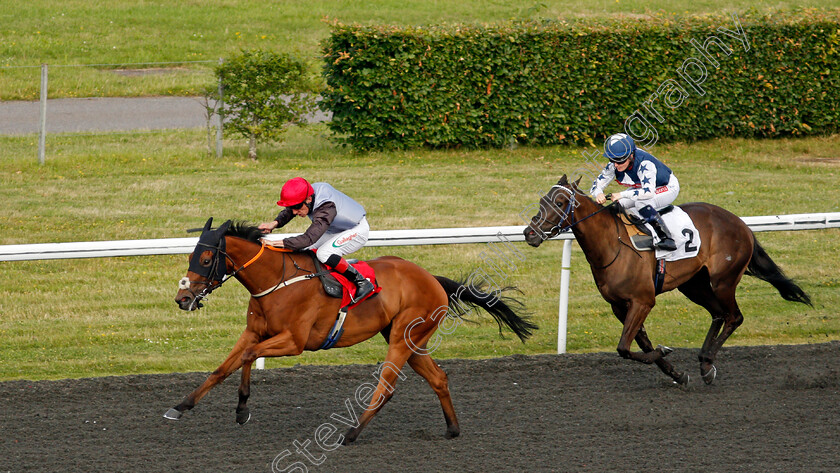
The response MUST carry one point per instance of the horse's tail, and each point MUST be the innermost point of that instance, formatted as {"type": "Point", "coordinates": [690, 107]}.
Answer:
{"type": "Point", "coordinates": [505, 310]}
{"type": "Point", "coordinates": [762, 267]}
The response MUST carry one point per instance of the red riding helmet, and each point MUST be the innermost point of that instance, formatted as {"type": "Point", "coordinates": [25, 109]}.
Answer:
{"type": "Point", "coordinates": [294, 192]}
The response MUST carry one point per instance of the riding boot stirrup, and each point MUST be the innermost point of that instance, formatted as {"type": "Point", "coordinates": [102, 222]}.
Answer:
{"type": "Point", "coordinates": [666, 243]}
{"type": "Point", "coordinates": [363, 286]}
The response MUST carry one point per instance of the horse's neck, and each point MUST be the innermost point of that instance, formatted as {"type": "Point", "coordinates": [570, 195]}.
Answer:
{"type": "Point", "coordinates": [595, 233]}
{"type": "Point", "coordinates": [264, 264]}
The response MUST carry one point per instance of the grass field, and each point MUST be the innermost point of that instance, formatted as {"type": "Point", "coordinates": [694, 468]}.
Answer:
{"type": "Point", "coordinates": [76, 33]}
{"type": "Point", "coordinates": [111, 316]}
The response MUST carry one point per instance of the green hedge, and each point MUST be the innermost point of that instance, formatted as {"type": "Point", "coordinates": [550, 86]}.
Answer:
{"type": "Point", "coordinates": [575, 82]}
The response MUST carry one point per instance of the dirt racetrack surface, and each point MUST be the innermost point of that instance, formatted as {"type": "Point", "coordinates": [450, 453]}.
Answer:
{"type": "Point", "coordinates": [771, 409]}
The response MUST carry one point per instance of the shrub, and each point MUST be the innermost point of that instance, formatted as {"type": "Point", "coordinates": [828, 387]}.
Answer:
{"type": "Point", "coordinates": [263, 94]}
{"type": "Point", "coordinates": [576, 82]}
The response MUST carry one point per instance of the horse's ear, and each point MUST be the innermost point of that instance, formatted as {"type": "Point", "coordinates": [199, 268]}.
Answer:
{"type": "Point", "coordinates": [208, 224]}
{"type": "Point", "coordinates": [563, 181]}
{"type": "Point", "coordinates": [577, 183]}
{"type": "Point", "coordinates": [223, 227]}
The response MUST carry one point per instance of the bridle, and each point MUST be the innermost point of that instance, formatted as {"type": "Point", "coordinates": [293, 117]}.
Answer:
{"type": "Point", "coordinates": [569, 214]}
{"type": "Point", "coordinates": [186, 283]}
{"type": "Point", "coordinates": [214, 269]}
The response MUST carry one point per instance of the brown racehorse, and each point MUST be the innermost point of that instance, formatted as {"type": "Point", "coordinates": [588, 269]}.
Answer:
{"type": "Point", "coordinates": [625, 277]}
{"type": "Point", "coordinates": [289, 312]}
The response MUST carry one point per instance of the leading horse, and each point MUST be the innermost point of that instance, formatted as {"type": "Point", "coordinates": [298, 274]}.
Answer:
{"type": "Point", "coordinates": [290, 312]}
{"type": "Point", "coordinates": [625, 277]}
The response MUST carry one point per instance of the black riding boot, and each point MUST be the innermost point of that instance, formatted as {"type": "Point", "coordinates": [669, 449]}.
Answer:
{"type": "Point", "coordinates": [363, 286]}
{"type": "Point", "coordinates": [665, 241]}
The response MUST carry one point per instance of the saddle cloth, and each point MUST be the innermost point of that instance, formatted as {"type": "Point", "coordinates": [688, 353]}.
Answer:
{"type": "Point", "coordinates": [683, 231]}
{"type": "Point", "coordinates": [349, 289]}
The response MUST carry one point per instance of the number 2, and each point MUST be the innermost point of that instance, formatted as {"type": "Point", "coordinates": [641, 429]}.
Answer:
{"type": "Point", "coordinates": [688, 246]}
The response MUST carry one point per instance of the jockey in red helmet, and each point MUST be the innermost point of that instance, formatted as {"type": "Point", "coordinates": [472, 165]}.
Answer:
{"type": "Point", "coordinates": [338, 228]}
{"type": "Point", "coordinates": [651, 185]}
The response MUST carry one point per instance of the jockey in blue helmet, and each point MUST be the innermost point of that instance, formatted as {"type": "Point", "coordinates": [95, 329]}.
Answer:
{"type": "Point", "coordinates": [651, 185]}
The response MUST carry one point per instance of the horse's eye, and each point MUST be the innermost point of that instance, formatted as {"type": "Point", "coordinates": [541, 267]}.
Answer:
{"type": "Point", "coordinates": [206, 258]}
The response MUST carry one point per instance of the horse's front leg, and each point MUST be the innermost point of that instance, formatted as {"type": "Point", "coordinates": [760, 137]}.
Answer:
{"type": "Point", "coordinates": [282, 344]}
{"type": "Point", "coordinates": [231, 364]}
{"type": "Point", "coordinates": [644, 343]}
{"type": "Point", "coordinates": [243, 414]}
{"type": "Point", "coordinates": [633, 321]}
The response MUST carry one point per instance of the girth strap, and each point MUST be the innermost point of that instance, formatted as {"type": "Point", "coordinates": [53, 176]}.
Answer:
{"type": "Point", "coordinates": [336, 331]}
{"type": "Point", "coordinates": [659, 275]}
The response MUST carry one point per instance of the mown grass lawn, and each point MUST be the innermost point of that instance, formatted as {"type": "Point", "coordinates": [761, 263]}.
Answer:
{"type": "Point", "coordinates": [124, 45]}
{"type": "Point", "coordinates": [111, 316]}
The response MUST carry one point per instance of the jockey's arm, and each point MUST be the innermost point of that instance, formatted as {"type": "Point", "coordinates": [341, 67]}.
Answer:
{"type": "Point", "coordinates": [602, 181]}
{"type": "Point", "coordinates": [322, 217]}
{"type": "Point", "coordinates": [285, 216]}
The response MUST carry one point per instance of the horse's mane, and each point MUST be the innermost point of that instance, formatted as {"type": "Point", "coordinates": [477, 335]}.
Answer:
{"type": "Point", "coordinates": [245, 231]}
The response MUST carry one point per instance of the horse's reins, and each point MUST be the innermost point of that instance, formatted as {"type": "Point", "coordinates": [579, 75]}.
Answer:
{"type": "Point", "coordinates": [570, 213]}
{"type": "Point", "coordinates": [209, 287]}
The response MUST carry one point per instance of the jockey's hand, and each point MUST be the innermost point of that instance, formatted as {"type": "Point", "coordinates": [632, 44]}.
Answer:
{"type": "Point", "coordinates": [600, 198]}
{"type": "Point", "coordinates": [267, 227]}
{"type": "Point", "coordinates": [274, 243]}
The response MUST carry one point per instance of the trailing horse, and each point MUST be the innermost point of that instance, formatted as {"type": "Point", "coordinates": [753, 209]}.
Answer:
{"type": "Point", "coordinates": [625, 277]}
{"type": "Point", "coordinates": [289, 312]}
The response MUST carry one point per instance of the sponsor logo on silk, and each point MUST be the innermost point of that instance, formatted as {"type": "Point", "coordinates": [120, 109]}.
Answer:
{"type": "Point", "coordinates": [341, 241]}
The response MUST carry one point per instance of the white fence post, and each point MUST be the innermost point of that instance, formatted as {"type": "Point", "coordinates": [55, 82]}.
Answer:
{"type": "Point", "coordinates": [562, 317]}
{"type": "Point", "coordinates": [42, 139]}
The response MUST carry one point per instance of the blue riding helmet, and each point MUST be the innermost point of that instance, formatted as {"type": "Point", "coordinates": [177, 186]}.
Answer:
{"type": "Point", "coordinates": [619, 147]}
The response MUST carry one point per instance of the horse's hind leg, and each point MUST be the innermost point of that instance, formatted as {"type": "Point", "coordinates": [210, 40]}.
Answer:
{"type": "Point", "coordinates": [732, 319]}
{"type": "Point", "coordinates": [404, 329]}
{"type": "Point", "coordinates": [388, 372]}
{"type": "Point", "coordinates": [726, 317]}
{"type": "Point", "coordinates": [426, 367]}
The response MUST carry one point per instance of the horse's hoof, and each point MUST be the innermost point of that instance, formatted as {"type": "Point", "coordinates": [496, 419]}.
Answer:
{"type": "Point", "coordinates": [664, 350]}
{"type": "Point", "coordinates": [173, 414]}
{"type": "Point", "coordinates": [350, 437]}
{"type": "Point", "coordinates": [451, 433]}
{"type": "Point", "coordinates": [709, 376]}
{"type": "Point", "coordinates": [242, 417]}
{"type": "Point", "coordinates": [683, 380]}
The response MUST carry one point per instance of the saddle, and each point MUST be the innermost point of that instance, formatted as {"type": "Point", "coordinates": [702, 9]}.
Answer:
{"type": "Point", "coordinates": [332, 287]}
{"type": "Point", "coordinates": [336, 285]}
{"type": "Point", "coordinates": [640, 234]}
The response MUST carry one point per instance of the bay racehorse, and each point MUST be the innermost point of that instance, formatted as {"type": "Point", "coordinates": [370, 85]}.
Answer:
{"type": "Point", "coordinates": [625, 277]}
{"type": "Point", "coordinates": [289, 312]}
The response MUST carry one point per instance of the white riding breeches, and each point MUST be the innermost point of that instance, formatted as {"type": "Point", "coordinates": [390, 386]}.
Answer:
{"type": "Point", "coordinates": [663, 197]}
{"type": "Point", "coordinates": [342, 243]}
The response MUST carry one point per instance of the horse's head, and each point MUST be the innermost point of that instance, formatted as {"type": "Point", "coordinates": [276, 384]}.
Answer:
{"type": "Point", "coordinates": [207, 269]}
{"type": "Point", "coordinates": [557, 208]}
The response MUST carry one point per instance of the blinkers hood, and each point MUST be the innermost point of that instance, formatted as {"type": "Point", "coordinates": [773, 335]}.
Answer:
{"type": "Point", "coordinates": [214, 241]}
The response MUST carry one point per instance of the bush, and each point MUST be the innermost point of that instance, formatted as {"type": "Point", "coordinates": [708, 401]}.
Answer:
{"type": "Point", "coordinates": [576, 82]}
{"type": "Point", "coordinates": [264, 93]}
